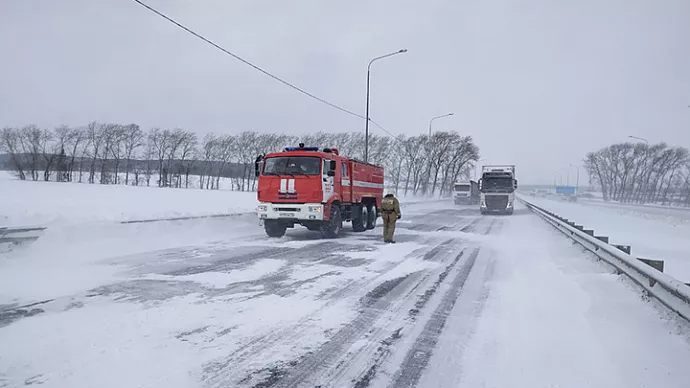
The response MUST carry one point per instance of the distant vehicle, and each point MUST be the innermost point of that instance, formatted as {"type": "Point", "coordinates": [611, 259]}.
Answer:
{"type": "Point", "coordinates": [497, 187]}
{"type": "Point", "coordinates": [318, 189]}
{"type": "Point", "coordinates": [466, 192]}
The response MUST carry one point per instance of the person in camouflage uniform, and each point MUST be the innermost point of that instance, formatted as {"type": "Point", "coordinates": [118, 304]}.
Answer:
{"type": "Point", "coordinates": [390, 213]}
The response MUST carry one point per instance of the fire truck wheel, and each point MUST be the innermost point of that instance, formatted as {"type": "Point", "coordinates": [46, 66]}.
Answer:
{"type": "Point", "coordinates": [274, 229]}
{"type": "Point", "coordinates": [371, 216]}
{"type": "Point", "coordinates": [333, 227]}
{"type": "Point", "coordinates": [360, 218]}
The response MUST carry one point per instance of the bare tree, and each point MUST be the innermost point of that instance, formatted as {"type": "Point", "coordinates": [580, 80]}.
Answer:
{"type": "Point", "coordinates": [10, 143]}
{"type": "Point", "coordinates": [226, 148]}
{"type": "Point", "coordinates": [189, 142]}
{"type": "Point", "coordinates": [628, 172]}
{"type": "Point", "coordinates": [210, 146]}
{"type": "Point", "coordinates": [30, 140]}
{"type": "Point", "coordinates": [133, 138]}
{"type": "Point", "coordinates": [49, 152]}
{"type": "Point", "coordinates": [160, 141]}
{"type": "Point", "coordinates": [94, 135]}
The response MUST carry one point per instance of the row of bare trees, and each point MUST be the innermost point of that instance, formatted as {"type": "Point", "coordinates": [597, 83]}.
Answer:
{"type": "Point", "coordinates": [641, 173]}
{"type": "Point", "coordinates": [109, 153]}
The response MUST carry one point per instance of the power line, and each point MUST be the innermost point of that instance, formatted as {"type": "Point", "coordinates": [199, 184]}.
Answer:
{"type": "Point", "coordinates": [246, 62]}
{"type": "Point", "coordinates": [383, 129]}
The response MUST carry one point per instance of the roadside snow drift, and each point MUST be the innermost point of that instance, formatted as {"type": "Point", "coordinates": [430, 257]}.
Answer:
{"type": "Point", "coordinates": [29, 203]}
{"type": "Point", "coordinates": [652, 236]}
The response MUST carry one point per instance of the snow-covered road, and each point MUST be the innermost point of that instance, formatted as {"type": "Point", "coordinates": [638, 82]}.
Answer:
{"type": "Point", "coordinates": [460, 301]}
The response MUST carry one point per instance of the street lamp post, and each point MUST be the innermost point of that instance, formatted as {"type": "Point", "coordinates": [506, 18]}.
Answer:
{"type": "Point", "coordinates": [639, 138]}
{"type": "Point", "coordinates": [366, 130]}
{"type": "Point", "coordinates": [437, 117]}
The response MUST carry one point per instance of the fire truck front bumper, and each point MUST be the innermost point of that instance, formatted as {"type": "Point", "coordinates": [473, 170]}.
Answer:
{"type": "Point", "coordinates": [291, 211]}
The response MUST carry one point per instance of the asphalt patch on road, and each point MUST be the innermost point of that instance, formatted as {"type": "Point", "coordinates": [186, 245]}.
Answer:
{"type": "Point", "coordinates": [424, 298]}
{"type": "Point", "coordinates": [435, 251]}
{"type": "Point", "coordinates": [381, 354]}
{"type": "Point", "coordinates": [10, 313]}
{"type": "Point", "coordinates": [9, 316]}
{"type": "Point", "coordinates": [380, 291]}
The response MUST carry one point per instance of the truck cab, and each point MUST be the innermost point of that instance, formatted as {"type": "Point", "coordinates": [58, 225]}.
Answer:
{"type": "Point", "coordinates": [497, 187]}
{"type": "Point", "coordinates": [465, 192]}
{"type": "Point", "coordinates": [318, 189]}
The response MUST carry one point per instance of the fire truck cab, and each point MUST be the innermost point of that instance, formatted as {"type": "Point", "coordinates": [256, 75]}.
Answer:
{"type": "Point", "coordinates": [318, 189]}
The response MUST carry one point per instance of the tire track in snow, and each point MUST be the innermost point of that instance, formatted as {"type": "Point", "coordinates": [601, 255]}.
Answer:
{"type": "Point", "coordinates": [253, 349]}
{"type": "Point", "coordinates": [393, 295]}
{"type": "Point", "coordinates": [418, 356]}
{"type": "Point", "coordinates": [319, 361]}
{"type": "Point", "coordinates": [361, 367]}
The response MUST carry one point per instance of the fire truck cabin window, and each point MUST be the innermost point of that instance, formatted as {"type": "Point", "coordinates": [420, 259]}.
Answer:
{"type": "Point", "coordinates": [292, 165]}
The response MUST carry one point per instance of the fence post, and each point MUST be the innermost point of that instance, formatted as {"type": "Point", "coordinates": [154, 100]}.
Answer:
{"type": "Point", "coordinates": [624, 248]}
{"type": "Point", "coordinates": [656, 264]}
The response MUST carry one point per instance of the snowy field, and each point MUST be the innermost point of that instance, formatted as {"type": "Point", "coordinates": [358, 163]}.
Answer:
{"type": "Point", "coordinates": [462, 300]}
{"type": "Point", "coordinates": [29, 203]}
{"type": "Point", "coordinates": [675, 215]}
{"type": "Point", "coordinates": [653, 233]}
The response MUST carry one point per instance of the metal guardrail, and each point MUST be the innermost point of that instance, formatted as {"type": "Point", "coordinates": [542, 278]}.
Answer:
{"type": "Point", "coordinates": [19, 235]}
{"type": "Point", "coordinates": [226, 215]}
{"type": "Point", "coordinates": [670, 292]}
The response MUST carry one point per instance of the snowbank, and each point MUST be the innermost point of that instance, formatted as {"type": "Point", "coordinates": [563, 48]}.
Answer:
{"type": "Point", "coordinates": [26, 203]}
{"type": "Point", "coordinates": [651, 236]}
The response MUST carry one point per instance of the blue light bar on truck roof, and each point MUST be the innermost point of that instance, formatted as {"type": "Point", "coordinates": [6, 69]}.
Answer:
{"type": "Point", "coordinates": [301, 149]}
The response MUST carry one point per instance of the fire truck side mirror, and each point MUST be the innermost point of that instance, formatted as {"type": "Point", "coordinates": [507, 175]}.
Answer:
{"type": "Point", "coordinates": [332, 165]}
{"type": "Point", "coordinates": [515, 183]}
{"type": "Point", "coordinates": [257, 165]}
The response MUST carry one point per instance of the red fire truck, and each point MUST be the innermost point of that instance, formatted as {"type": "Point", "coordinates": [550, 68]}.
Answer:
{"type": "Point", "coordinates": [318, 189]}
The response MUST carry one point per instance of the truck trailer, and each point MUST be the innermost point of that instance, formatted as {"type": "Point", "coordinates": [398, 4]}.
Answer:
{"type": "Point", "coordinates": [318, 189]}
{"type": "Point", "coordinates": [497, 187]}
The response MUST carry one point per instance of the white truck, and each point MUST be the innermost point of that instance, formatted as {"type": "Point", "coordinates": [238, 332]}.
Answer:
{"type": "Point", "coordinates": [466, 192]}
{"type": "Point", "coordinates": [497, 189]}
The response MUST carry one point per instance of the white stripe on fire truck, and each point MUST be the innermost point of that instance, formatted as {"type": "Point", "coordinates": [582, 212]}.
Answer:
{"type": "Point", "coordinates": [371, 185]}
{"type": "Point", "coordinates": [291, 185]}
{"type": "Point", "coordinates": [283, 185]}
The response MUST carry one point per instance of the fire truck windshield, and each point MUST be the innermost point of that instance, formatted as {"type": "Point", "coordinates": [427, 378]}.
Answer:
{"type": "Point", "coordinates": [292, 165]}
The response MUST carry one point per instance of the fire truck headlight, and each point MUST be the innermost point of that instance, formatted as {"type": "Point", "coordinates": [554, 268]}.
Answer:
{"type": "Point", "coordinates": [262, 208]}
{"type": "Point", "coordinates": [314, 209]}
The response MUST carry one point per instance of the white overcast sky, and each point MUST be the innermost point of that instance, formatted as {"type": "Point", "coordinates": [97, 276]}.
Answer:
{"type": "Point", "coordinates": [537, 83]}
